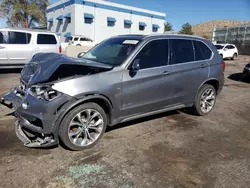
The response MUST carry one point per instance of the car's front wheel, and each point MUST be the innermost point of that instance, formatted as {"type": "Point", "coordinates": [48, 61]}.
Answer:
{"type": "Point", "coordinates": [83, 126]}
{"type": "Point", "coordinates": [205, 100]}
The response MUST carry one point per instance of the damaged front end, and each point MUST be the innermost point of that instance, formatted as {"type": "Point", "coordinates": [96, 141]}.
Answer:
{"type": "Point", "coordinates": [37, 106]}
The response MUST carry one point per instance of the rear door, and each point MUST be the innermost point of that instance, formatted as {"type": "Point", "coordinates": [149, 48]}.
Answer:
{"type": "Point", "coordinates": [3, 52]}
{"type": "Point", "coordinates": [19, 47]}
{"type": "Point", "coordinates": [149, 88]}
{"type": "Point", "coordinates": [47, 43]}
{"type": "Point", "coordinates": [190, 69]}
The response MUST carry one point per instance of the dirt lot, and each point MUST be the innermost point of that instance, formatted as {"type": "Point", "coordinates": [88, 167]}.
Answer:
{"type": "Point", "coordinates": [168, 150]}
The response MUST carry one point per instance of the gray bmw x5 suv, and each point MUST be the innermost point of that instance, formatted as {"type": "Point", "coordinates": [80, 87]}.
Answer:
{"type": "Point", "coordinates": [123, 78]}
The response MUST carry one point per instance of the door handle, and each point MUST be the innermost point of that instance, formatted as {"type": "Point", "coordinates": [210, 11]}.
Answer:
{"type": "Point", "coordinates": [1, 47]}
{"type": "Point", "coordinates": [166, 73]}
{"type": "Point", "coordinates": [203, 65]}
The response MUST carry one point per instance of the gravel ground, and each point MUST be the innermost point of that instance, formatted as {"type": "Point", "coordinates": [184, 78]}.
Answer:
{"type": "Point", "coordinates": [173, 149]}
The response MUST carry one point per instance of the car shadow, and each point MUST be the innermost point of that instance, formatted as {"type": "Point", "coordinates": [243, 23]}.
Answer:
{"type": "Point", "coordinates": [239, 78]}
{"type": "Point", "coordinates": [141, 120]}
{"type": "Point", "coordinates": [8, 71]}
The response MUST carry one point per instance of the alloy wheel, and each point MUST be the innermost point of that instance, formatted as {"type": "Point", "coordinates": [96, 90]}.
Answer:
{"type": "Point", "coordinates": [207, 100]}
{"type": "Point", "coordinates": [86, 127]}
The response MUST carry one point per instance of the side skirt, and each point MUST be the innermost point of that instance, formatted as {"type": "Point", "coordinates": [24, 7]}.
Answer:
{"type": "Point", "coordinates": [137, 116]}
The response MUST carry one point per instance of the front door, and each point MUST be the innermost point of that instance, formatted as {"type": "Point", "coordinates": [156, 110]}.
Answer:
{"type": "Point", "coordinates": [190, 68]}
{"type": "Point", "coordinates": [3, 51]}
{"type": "Point", "coordinates": [149, 88]}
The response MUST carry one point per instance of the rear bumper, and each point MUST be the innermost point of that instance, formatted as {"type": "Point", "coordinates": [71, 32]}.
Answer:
{"type": "Point", "coordinates": [221, 83]}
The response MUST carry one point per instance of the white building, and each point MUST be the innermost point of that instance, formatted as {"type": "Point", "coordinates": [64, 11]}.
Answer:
{"type": "Point", "coordinates": [98, 19]}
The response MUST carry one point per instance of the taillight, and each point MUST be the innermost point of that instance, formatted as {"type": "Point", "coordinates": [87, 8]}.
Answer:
{"type": "Point", "coordinates": [223, 65]}
{"type": "Point", "coordinates": [60, 49]}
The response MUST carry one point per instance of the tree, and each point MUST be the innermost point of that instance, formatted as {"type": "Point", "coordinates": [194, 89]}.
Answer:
{"type": "Point", "coordinates": [168, 27]}
{"type": "Point", "coordinates": [24, 13]}
{"type": "Point", "coordinates": [186, 29]}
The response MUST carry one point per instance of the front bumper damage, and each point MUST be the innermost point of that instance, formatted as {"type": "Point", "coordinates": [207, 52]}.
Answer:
{"type": "Point", "coordinates": [36, 125]}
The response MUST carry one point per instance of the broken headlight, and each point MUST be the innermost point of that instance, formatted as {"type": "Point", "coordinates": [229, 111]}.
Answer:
{"type": "Point", "coordinates": [43, 92]}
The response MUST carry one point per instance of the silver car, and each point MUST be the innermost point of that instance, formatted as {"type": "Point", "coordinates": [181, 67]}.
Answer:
{"type": "Point", "coordinates": [18, 46]}
{"type": "Point", "coordinates": [123, 78]}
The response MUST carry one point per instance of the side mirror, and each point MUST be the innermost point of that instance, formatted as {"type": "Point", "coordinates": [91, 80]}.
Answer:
{"type": "Point", "coordinates": [81, 54]}
{"type": "Point", "coordinates": [225, 49]}
{"type": "Point", "coordinates": [135, 65]}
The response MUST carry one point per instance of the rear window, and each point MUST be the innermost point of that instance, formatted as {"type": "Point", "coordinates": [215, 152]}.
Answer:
{"type": "Point", "coordinates": [19, 38]}
{"type": "Point", "coordinates": [46, 39]}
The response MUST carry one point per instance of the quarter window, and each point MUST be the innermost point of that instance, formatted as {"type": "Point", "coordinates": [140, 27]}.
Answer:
{"type": "Point", "coordinates": [154, 54]}
{"type": "Point", "coordinates": [19, 38]}
{"type": "Point", "coordinates": [46, 39]}
{"type": "Point", "coordinates": [202, 52]}
{"type": "Point", "coordinates": [182, 51]}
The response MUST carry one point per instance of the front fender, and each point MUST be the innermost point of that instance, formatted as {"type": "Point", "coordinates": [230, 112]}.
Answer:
{"type": "Point", "coordinates": [67, 107]}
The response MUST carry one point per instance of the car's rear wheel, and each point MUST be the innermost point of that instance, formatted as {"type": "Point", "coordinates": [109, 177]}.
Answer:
{"type": "Point", "coordinates": [83, 126]}
{"type": "Point", "coordinates": [234, 56]}
{"type": "Point", "coordinates": [205, 100]}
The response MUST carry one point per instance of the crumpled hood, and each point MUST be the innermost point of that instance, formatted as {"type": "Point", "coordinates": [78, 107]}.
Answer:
{"type": "Point", "coordinates": [43, 66]}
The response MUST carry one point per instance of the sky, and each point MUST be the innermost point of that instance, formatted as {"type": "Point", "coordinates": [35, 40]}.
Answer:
{"type": "Point", "coordinates": [193, 11]}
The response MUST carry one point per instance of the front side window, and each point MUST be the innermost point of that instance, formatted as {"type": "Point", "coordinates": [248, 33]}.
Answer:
{"type": "Point", "coordinates": [113, 51]}
{"type": "Point", "coordinates": [76, 38]}
{"type": "Point", "coordinates": [154, 54]}
{"type": "Point", "coordinates": [202, 52]}
{"type": "Point", "coordinates": [19, 38]}
{"type": "Point", "coordinates": [182, 51]}
{"type": "Point", "coordinates": [46, 39]}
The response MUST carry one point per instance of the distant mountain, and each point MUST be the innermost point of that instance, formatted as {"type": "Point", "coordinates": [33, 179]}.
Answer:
{"type": "Point", "coordinates": [206, 29]}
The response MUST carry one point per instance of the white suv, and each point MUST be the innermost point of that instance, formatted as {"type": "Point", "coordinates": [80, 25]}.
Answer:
{"type": "Point", "coordinates": [81, 41]}
{"type": "Point", "coordinates": [227, 51]}
{"type": "Point", "coordinates": [18, 46]}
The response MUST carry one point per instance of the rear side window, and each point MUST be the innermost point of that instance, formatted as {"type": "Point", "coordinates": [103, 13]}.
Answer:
{"type": "Point", "coordinates": [154, 54]}
{"type": "Point", "coordinates": [19, 38]}
{"type": "Point", "coordinates": [182, 51]}
{"type": "Point", "coordinates": [46, 39]}
{"type": "Point", "coordinates": [83, 39]}
{"type": "Point", "coordinates": [202, 52]}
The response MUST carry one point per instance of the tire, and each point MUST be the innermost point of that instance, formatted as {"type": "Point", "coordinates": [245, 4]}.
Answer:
{"type": "Point", "coordinates": [77, 126]}
{"type": "Point", "coordinates": [78, 45]}
{"type": "Point", "coordinates": [198, 106]}
{"type": "Point", "coordinates": [234, 56]}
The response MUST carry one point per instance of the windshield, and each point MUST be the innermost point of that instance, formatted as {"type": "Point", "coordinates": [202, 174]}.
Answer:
{"type": "Point", "coordinates": [112, 51]}
{"type": "Point", "coordinates": [219, 47]}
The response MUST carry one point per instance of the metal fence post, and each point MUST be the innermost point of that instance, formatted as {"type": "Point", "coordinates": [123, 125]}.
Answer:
{"type": "Point", "coordinates": [226, 35]}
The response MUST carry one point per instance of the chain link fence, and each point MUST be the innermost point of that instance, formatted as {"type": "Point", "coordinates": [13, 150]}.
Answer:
{"type": "Point", "coordinates": [239, 36]}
